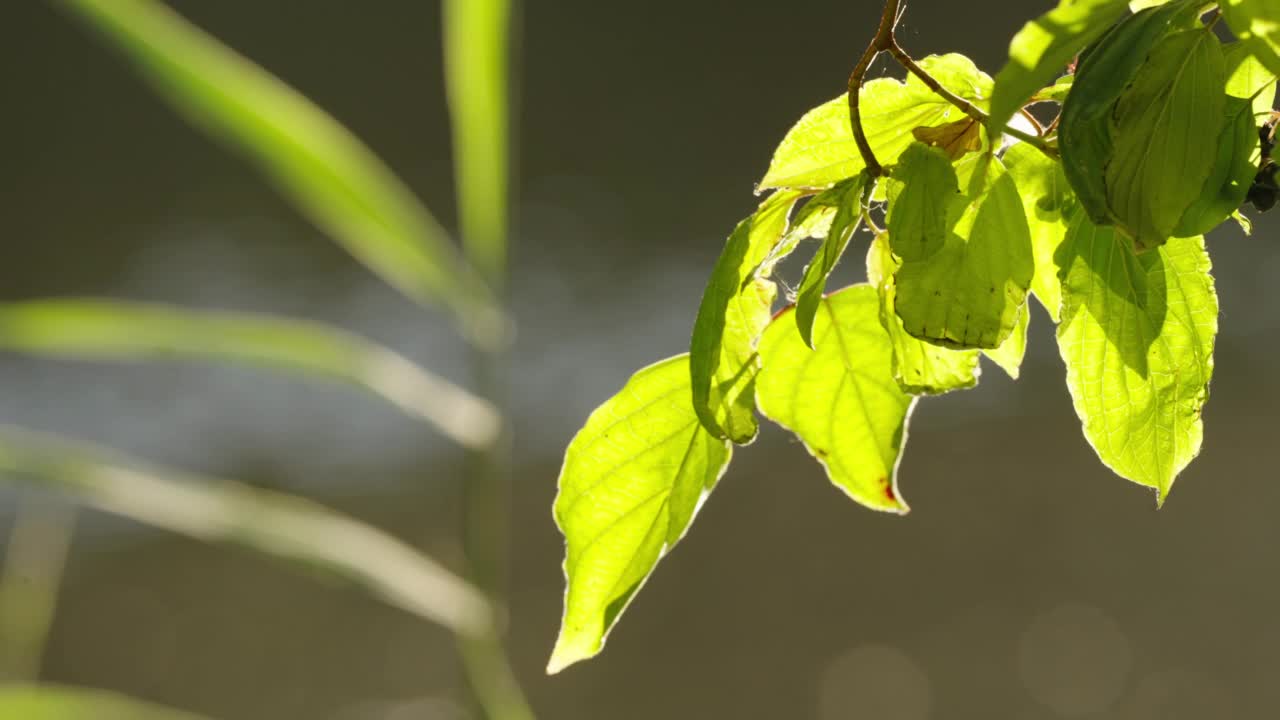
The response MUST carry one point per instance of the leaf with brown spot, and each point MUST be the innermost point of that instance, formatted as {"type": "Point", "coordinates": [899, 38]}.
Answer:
{"type": "Point", "coordinates": [956, 139]}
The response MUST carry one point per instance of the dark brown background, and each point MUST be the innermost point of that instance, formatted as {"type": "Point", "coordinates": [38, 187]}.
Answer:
{"type": "Point", "coordinates": [1028, 582]}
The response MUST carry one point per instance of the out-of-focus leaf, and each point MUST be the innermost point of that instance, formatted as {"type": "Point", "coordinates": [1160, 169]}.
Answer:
{"type": "Point", "coordinates": [1257, 24]}
{"type": "Point", "coordinates": [1105, 71]}
{"type": "Point", "coordinates": [1248, 78]}
{"type": "Point", "coordinates": [840, 398]}
{"type": "Point", "coordinates": [1043, 48]}
{"type": "Point", "coordinates": [272, 523]}
{"type": "Point", "coordinates": [920, 368]}
{"type": "Point", "coordinates": [1137, 338]}
{"type": "Point", "coordinates": [1045, 200]}
{"type": "Point", "coordinates": [116, 330]}
{"type": "Point", "coordinates": [59, 702]}
{"type": "Point", "coordinates": [633, 478]}
{"type": "Point", "coordinates": [735, 309]}
{"type": "Point", "coordinates": [1057, 92]}
{"type": "Point", "coordinates": [820, 149]}
{"type": "Point", "coordinates": [843, 225]}
{"type": "Point", "coordinates": [475, 42]}
{"type": "Point", "coordinates": [968, 293]}
{"type": "Point", "coordinates": [325, 171]}
{"type": "Point", "coordinates": [1161, 153]}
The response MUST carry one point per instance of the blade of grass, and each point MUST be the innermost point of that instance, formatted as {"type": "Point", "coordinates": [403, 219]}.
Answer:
{"type": "Point", "coordinates": [273, 523]}
{"type": "Point", "coordinates": [63, 702]}
{"type": "Point", "coordinates": [322, 168]}
{"type": "Point", "coordinates": [475, 34]}
{"type": "Point", "coordinates": [31, 576]}
{"type": "Point", "coordinates": [106, 329]}
{"type": "Point", "coordinates": [476, 62]}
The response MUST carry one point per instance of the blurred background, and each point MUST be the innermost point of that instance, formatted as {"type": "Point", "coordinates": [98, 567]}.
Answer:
{"type": "Point", "coordinates": [1028, 581]}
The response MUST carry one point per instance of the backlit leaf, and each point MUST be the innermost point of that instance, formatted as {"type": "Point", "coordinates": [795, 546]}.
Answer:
{"type": "Point", "coordinates": [968, 293]}
{"type": "Point", "coordinates": [1228, 183]}
{"type": "Point", "coordinates": [820, 149]}
{"type": "Point", "coordinates": [735, 309]}
{"type": "Point", "coordinates": [1137, 337]}
{"type": "Point", "coordinates": [1105, 71]}
{"type": "Point", "coordinates": [633, 478]}
{"type": "Point", "coordinates": [1257, 24]}
{"type": "Point", "coordinates": [1045, 199]}
{"type": "Point", "coordinates": [921, 368]}
{"type": "Point", "coordinates": [1162, 125]}
{"type": "Point", "coordinates": [1043, 48]}
{"type": "Point", "coordinates": [840, 398]}
{"type": "Point", "coordinates": [956, 139]}
{"type": "Point", "coordinates": [1009, 355]}
{"type": "Point", "coordinates": [924, 202]}
{"type": "Point", "coordinates": [843, 225]}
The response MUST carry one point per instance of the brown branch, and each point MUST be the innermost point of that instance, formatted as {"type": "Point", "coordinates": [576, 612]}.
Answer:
{"type": "Point", "coordinates": [882, 41]}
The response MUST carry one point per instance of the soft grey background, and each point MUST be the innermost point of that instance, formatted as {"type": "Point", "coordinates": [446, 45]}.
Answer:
{"type": "Point", "coordinates": [1028, 582]}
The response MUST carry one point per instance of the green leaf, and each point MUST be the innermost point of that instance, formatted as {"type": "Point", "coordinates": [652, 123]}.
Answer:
{"type": "Point", "coordinates": [1233, 171]}
{"type": "Point", "coordinates": [115, 330]}
{"type": "Point", "coordinates": [633, 478]}
{"type": "Point", "coordinates": [1257, 24]}
{"type": "Point", "coordinates": [475, 43]}
{"type": "Point", "coordinates": [1045, 200]}
{"type": "Point", "coordinates": [1057, 92]}
{"type": "Point", "coordinates": [1137, 338]}
{"type": "Point", "coordinates": [820, 149]}
{"type": "Point", "coordinates": [1043, 48]}
{"type": "Point", "coordinates": [924, 202]}
{"type": "Point", "coordinates": [840, 398]}
{"type": "Point", "coordinates": [1009, 355]}
{"type": "Point", "coordinates": [268, 522]}
{"type": "Point", "coordinates": [1105, 71]}
{"type": "Point", "coordinates": [735, 309]}
{"type": "Point", "coordinates": [326, 172]}
{"type": "Point", "coordinates": [57, 702]}
{"type": "Point", "coordinates": [920, 368]}
{"type": "Point", "coordinates": [1162, 153]}
{"type": "Point", "coordinates": [843, 225]}
{"type": "Point", "coordinates": [1248, 78]}
{"type": "Point", "coordinates": [966, 294]}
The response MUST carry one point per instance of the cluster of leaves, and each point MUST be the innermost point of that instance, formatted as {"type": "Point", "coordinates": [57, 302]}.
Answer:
{"type": "Point", "coordinates": [1099, 214]}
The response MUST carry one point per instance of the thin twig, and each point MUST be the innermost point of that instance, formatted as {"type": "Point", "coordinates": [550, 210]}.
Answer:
{"type": "Point", "coordinates": [882, 41]}
{"type": "Point", "coordinates": [1032, 119]}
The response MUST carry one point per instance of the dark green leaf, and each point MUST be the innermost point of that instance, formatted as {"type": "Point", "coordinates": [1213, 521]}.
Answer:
{"type": "Point", "coordinates": [1233, 170]}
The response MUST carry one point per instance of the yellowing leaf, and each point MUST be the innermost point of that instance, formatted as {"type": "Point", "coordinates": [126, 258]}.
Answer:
{"type": "Point", "coordinates": [956, 139]}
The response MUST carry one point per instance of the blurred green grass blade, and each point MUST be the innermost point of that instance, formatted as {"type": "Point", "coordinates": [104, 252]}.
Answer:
{"type": "Point", "coordinates": [117, 330]}
{"type": "Point", "coordinates": [475, 42]}
{"type": "Point", "coordinates": [30, 578]}
{"type": "Point", "coordinates": [60, 702]}
{"type": "Point", "coordinates": [326, 172]}
{"type": "Point", "coordinates": [273, 523]}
